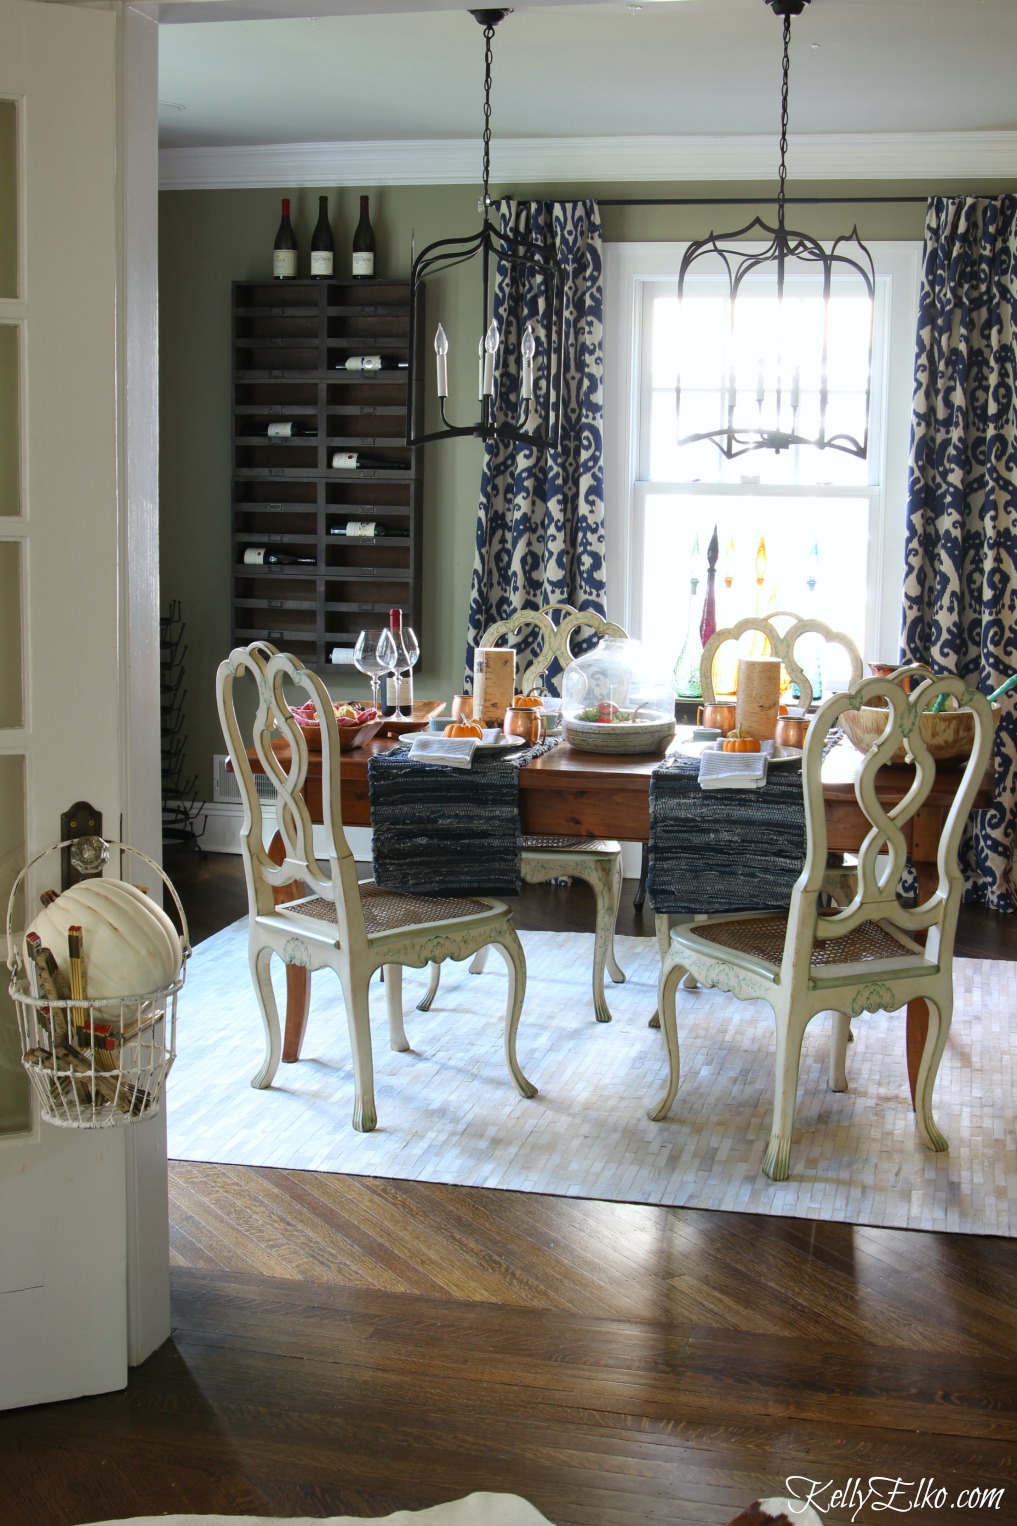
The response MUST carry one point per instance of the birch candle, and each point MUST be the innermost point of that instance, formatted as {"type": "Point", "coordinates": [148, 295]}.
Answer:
{"type": "Point", "coordinates": [758, 698]}
{"type": "Point", "coordinates": [494, 684]}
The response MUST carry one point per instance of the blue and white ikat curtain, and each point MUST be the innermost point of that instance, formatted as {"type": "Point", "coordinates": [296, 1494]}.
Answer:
{"type": "Point", "coordinates": [960, 574]}
{"type": "Point", "coordinates": [540, 526]}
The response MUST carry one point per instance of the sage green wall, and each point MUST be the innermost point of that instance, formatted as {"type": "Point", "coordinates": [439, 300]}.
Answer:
{"type": "Point", "coordinates": [210, 238]}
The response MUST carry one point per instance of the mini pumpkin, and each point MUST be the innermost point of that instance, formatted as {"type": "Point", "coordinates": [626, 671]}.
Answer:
{"type": "Point", "coordinates": [464, 729]}
{"type": "Point", "coordinates": [528, 701]}
{"type": "Point", "coordinates": [736, 741]}
{"type": "Point", "coordinates": [130, 945]}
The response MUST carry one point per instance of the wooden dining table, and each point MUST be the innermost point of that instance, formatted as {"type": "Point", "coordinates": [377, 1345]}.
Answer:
{"type": "Point", "coordinates": [584, 794]}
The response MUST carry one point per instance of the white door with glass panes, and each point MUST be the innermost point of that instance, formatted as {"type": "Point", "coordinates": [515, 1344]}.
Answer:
{"type": "Point", "coordinates": [816, 532]}
{"type": "Point", "coordinates": [65, 1195]}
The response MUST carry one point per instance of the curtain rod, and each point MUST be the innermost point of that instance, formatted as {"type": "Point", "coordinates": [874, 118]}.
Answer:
{"type": "Point", "coordinates": [749, 201]}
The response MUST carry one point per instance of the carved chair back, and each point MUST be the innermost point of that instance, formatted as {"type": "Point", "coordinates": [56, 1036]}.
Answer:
{"type": "Point", "coordinates": [783, 641]}
{"type": "Point", "coordinates": [545, 649]}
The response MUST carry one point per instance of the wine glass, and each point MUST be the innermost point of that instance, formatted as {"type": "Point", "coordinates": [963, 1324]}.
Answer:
{"type": "Point", "coordinates": [390, 652]}
{"type": "Point", "coordinates": [367, 660]}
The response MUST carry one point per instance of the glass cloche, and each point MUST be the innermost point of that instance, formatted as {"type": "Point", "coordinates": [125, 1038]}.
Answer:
{"type": "Point", "coordinates": [616, 698]}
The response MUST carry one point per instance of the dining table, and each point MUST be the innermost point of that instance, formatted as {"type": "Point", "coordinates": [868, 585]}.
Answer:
{"type": "Point", "coordinates": [585, 794]}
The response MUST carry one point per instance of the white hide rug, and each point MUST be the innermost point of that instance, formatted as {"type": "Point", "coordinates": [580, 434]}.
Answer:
{"type": "Point", "coordinates": [449, 1112]}
{"type": "Point", "coordinates": [473, 1510]}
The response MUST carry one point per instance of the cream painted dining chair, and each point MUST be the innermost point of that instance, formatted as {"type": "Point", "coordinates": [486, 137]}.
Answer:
{"type": "Point", "coordinates": [785, 632]}
{"type": "Point", "coordinates": [548, 635]}
{"type": "Point", "coordinates": [846, 959]}
{"type": "Point", "coordinates": [340, 924]}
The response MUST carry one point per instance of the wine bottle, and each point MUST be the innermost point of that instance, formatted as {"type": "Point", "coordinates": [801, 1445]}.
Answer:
{"type": "Point", "coordinates": [370, 529]}
{"type": "Point", "coordinates": [357, 461]}
{"type": "Point", "coordinates": [264, 556]}
{"type": "Point", "coordinates": [322, 243]}
{"type": "Point", "coordinates": [363, 244]}
{"type": "Point", "coordinates": [371, 363]}
{"type": "Point", "coordinates": [390, 688]}
{"type": "Point", "coordinates": [284, 256]}
{"type": "Point", "coordinates": [277, 430]}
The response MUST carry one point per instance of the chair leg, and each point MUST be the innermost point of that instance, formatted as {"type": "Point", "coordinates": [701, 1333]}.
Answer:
{"type": "Point", "coordinates": [511, 950]}
{"type": "Point", "coordinates": [786, 1064]}
{"type": "Point", "coordinates": [662, 928]}
{"type": "Point", "coordinates": [260, 960]}
{"type": "Point", "coordinates": [840, 1034]}
{"type": "Point", "coordinates": [667, 986]}
{"type": "Point", "coordinates": [599, 874]}
{"type": "Point", "coordinates": [358, 1020]}
{"type": "Point", "coordinates": [424, 1004]}
{"type": "Point", "coordinates": [615, 971]}
{"type": "Point", "coordinates": [397, 1039]}
{"type": "Point", "coordinates": [940, 1017]}
{"type": "Point", "coordinates": [479, 960]}
{"type": "Point", "coordinates": [644, 865]}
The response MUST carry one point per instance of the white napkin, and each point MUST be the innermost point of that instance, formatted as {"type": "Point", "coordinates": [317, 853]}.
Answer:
{"type": "Point", "coordinates": [734, 770]}
{"type": "Point", "coordinates": [453, 752]}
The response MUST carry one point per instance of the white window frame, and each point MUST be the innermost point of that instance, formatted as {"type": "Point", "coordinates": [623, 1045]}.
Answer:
{"type": "Point", "coordinates": [628, 269]}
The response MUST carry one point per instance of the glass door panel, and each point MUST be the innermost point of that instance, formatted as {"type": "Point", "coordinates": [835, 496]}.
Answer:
{"type": "Point", "coordinates": [15, 1111]}
{"type": "Point", "coordinates": [11, 701]}
{"type": "Point", "coordinates": [8, 199]}
{"type": "Point", "coordinates": [10, 422]}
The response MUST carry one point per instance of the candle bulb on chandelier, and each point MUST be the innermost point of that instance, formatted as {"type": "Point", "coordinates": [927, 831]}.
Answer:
{"type": "Point", "coordinates": [491, 341]}
{"type": "Point", "coordinates": [529, 349]}
{"type": "Point", "coordinates": [441, 352]}
{"type": "Point", "coordinates": [796, 390]}
{"type": "Point", "coordinates": [760, 386]}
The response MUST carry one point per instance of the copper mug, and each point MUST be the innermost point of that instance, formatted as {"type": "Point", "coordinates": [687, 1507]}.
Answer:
{"type": "Point", "coordinates": [790, 730]}
{"type": "Point", "coordinates": [462, 707]}
{"type": "Point", "coordinates": [724, 717]}
{"type": "Point", "coordinates": [526, 721]}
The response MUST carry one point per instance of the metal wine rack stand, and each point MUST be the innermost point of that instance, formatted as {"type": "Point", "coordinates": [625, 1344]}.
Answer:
{"type": "Point", "coordinates": [180, 810]}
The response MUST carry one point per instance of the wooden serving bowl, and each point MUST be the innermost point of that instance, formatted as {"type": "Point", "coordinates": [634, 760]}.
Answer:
{"type": "Point", "coordinates": [946, 733]}
{"type": "Point", "coordinates": [349, 736]}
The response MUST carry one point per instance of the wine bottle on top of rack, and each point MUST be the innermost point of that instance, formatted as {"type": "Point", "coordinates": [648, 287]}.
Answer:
{"type": "Point", "coordinates": [284, 253]}
{"type": "Point", "coordinates": [359, 461]}
{"type": "Point", "coordinates": [322, 243]}
{"type": "Point", "coordinates": [370, 529]}
{"type": "Point", "coordinates": [371, 363]}
{"type": "Point", "coordinates": [363, 243]}
{"type": "Point", "coordinates": [291, 430]}
{"type": "Point", "coordinates": [265, 556]}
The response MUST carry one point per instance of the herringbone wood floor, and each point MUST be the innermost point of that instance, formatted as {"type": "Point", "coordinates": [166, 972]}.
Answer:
{"type": "Point", "coordinates": [342, 1344]}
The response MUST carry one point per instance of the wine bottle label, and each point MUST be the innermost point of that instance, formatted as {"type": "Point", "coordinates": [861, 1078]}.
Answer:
{"type": "Point", "coordinates": [345, 460]}
{"type": "Point", "coordinates": [361, 527]}
{"type": "Point", "coordinates": [363, 262]}
{"type": "Point", "coordinates": [399, 691]}
{"type": "Point", "coordinates": [322, 261]}
{"type": "Point", "coordinates": [284, 263]}
{"type": "Point", "coordinates": [254, 556]}
{"type": "Point", "coordinates": [280, 431]}
{"type": "Point", "coordinates": [364, 363]}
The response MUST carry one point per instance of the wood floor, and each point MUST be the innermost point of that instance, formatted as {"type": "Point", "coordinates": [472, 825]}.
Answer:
{"type": "Point", "coordinates": [344, 1344]}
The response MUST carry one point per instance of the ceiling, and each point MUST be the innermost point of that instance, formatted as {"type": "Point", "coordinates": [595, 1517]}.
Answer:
{"type": "Point", "coordinates": [350, 71]}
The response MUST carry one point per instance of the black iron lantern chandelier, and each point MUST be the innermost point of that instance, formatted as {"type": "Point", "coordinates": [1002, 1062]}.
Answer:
{"type": "Point", "coordinates": [529, 412]}
{"type": "Point", "coordinates": [776, 388]}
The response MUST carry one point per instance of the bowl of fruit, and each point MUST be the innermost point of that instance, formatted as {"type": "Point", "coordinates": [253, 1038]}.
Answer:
{"type": "Point", "coordinates": [355, 723]}
{"type": "Point", "coordinates": [614, 700]}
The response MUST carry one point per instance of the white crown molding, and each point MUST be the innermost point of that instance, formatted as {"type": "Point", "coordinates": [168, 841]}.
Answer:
{"type": "Point", "coordinates": [833, 156]}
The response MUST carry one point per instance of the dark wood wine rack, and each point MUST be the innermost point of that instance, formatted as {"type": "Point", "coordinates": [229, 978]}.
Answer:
{"type": "Point", "coordinates": [291, 340]}
{"type": "Point", "coordinates": [180, 810]}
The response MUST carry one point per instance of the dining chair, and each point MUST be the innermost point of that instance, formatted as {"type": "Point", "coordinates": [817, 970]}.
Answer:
{"type": "Point", "coordinates": [543, 640]}
{"type": "Point", "coordinates": [338, 923]}
{"type": "Point", "coordinates": [865, 956]}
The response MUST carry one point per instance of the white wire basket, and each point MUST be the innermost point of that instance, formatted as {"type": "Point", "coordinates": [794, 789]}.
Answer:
{"type": "Point", "coordinates": [100, 1062]}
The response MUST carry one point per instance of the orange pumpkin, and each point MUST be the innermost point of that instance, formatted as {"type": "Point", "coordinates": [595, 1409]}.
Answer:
{"type": "Point", "coordinates": [736, 742]}
{"type": "Point", "coordinates": [527, 701]}
{"type": "Point", "coordinates": [464, 729]}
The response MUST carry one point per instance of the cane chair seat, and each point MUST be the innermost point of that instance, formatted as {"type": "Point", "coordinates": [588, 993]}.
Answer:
{"type": "Point", "coordinates": [340, 924]}
{"type": "Point", "coordinates": [544, 639]}
{"type": "Point", "coordinates": [863, 955]}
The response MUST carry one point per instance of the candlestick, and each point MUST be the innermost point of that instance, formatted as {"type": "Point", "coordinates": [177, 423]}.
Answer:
{"type": "Point", "coordinates": [491, 341]}
{"type": "Point", "coordinates": [441, 351]}
{"type": "Point", "coordinates": [529, 349]}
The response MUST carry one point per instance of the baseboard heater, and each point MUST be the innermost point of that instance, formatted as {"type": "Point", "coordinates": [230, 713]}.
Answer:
{"type": "Point", "coordinates": [226, 785]}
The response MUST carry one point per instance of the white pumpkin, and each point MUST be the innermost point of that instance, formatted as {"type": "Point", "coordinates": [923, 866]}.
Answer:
{"type": "Point", "coordinates": [130, 945]}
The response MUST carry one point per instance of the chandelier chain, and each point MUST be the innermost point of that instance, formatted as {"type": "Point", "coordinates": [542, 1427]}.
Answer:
{"type": "Point", "coordinates": [783, 121]}
{"type": "Point", "coordinates": [488, 61]}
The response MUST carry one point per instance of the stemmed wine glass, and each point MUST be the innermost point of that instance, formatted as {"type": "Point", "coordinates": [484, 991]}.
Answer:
{"type": "Point", "coordinates": [367, 660]}
{"type": "Point", "coordinates": [399, 650]}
